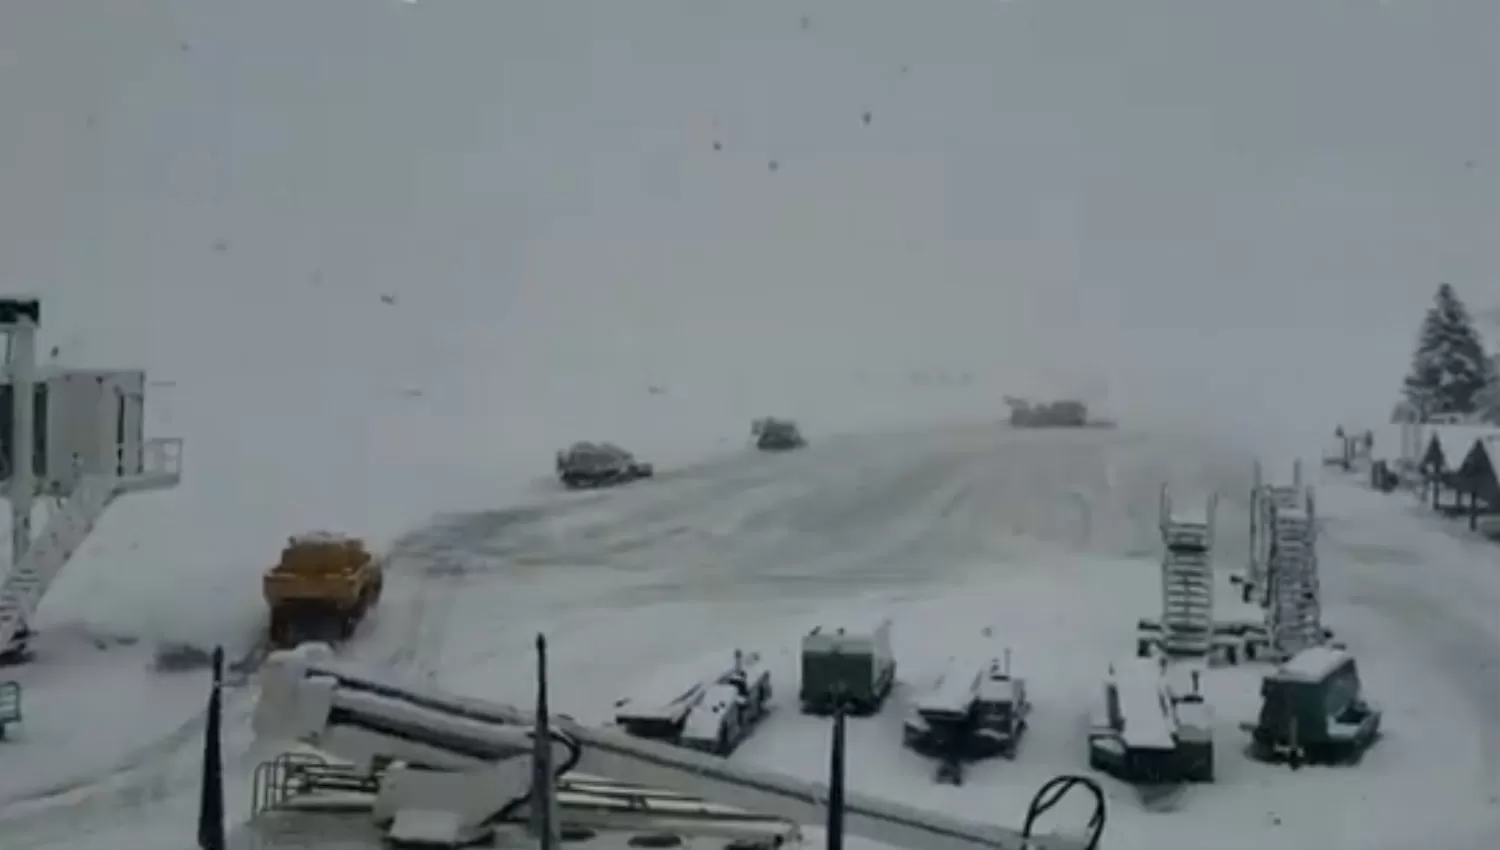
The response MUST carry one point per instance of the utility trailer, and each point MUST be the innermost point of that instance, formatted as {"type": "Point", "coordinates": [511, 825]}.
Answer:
{"type": "Point", "coordinates": [10, 706]}
{"type": "Point", "coordinates": [1313, 711]}
{"type": "Point", "coordinates": [712, 715]}
{"type": "Point", "coordinates": [1143, 731]}
{"type": "Point", "coordinates": [850, 665]}
{"type": "Point", "coordinates": [969, 714]}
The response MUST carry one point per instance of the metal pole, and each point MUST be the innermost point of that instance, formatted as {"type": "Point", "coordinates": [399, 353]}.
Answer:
{"type": "Point", "coordinates": [835, 829]}
{"type": "Point", "coordinates": [543, 791]}
{"type": "Point", "coordinates": [22, 365]}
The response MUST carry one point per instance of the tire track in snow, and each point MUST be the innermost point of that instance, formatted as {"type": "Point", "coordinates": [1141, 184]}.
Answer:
{"type": "Point", "coordinates": [845, 515]}
{"type": "Point", "coordinates": [1446, 613]}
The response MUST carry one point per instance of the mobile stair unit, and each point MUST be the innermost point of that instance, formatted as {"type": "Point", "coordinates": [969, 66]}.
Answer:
{"type": "Point", "coordinates": [75, 437]}
{"type": "Point", "coordinates": [1186, 629]}
{"type": "Point", "coordinates": [1265, 501]}
{"type": "Point", "coordinates": [1294, 615]}
{"type": "Point", "coordinates": [1282, 575]}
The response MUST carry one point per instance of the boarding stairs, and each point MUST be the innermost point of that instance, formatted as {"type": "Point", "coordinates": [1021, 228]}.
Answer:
{"type": "Point", "coordinates": [1265, 501]}
{"type": "Point", "coordinates": [68, 527]}
{"type": "Point", "coordinates": [1294, 615]}
{"type": "Point", "coordinates": [1187, 624]}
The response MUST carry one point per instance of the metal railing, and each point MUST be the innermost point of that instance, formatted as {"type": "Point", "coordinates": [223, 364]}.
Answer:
{"type": "Point", "coordinates": [298, 774]}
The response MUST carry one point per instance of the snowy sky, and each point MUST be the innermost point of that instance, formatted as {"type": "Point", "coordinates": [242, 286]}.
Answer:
{"type": "Point", "coordinates": [1216, 208]}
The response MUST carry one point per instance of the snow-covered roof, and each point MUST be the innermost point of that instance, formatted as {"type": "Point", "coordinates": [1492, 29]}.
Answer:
{"type": "Point", "coordinates": [1312, 665]}
{"type": "Point", "coordinates": [1490, 445]}
{"type": "Point", "coordinates": [994, 688]}
{"type": "Point", "coordinates": [1456, 440]}
{"type": "Point", "coordinates": [862, 636]}
{"type": "Point", "coordinates": [1148, 723]}
{"type": "Point", "coordinates": [861, 624]}
{"type": "Point", "coordinates": [953, 691]}
{"type": "Point", "coordinates": [706, 718]}
{"type": "Point", "coordinates": [673, 690]}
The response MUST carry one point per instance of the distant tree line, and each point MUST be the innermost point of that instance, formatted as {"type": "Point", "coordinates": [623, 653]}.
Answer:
{"type": "Point", "coordinates": [1452, 377]}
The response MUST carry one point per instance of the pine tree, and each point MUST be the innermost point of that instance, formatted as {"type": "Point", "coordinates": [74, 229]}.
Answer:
{"type": "Point", "coordinates": [1450, 371]}
{"type": "Point", "coordinates": [1488, 400]}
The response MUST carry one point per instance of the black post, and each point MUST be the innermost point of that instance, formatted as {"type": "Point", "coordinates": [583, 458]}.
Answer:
{"type": "Point", "coordinates": [544, 813]}
{"type": "Point", "coordinates": [211, 804]}
{"type": "Point", "coordinates": [836, 778]}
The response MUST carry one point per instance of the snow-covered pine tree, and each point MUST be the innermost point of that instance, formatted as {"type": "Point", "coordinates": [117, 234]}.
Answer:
{"type": "Point", "coordinates": [1450, 370]}
{"type": "Point", "coordinates": [1488, 401]}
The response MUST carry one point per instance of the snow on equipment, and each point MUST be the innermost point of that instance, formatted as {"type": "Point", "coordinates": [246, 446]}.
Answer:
{"type": "Point", "coordinates": [441, 769]}
{"type": "Point", "coordinates": [1313, 711]}
{"type": "Point", "coordinates": [586, 465]}
{"type": "Point", "coordinates": [1187, 628]}
{"type": "Point", "coordinates": [1282, 575]}
{"type": "Point", "coordinates": [968, 715]}
{"type": "Point", "coordinates": [776, 435]}
{"type": "Point", "coordinates": [1144, 731]}
{"type": "Point", "coordinates": [10, 705]}
{"type": "Point", "coordinates": [76, 438]}
{"type": "Point", "coordinates": [1296, 618]}
{"type": "Point", "coordinates": [713, 715]}
{"type": "Point", "coordinates": [849, 665]}
{"type": "Point", "coordinates": [321, 589]}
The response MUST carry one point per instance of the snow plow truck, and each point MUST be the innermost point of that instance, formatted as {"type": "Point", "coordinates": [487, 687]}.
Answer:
{"type": "Point", "coordinates": [321, 589]}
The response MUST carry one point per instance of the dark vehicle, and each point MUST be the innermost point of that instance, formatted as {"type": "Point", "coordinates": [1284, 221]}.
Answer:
{"type": "Point", "coordinates": [1067, 413]}
{"type": "Point", "coordinates": [969, 716]}
{"type": "Point", "coordinates": [776, 435]}
{"type": "Point", "coordinates": [1312, 711]}
{"type": "Point", "coordinates": [588, 465]}
{"type": "Point", "coordinates": [853, 666]}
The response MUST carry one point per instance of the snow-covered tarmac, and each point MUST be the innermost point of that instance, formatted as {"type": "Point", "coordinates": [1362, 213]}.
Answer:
{"type": "Point", "coordinates": [1046, 537]}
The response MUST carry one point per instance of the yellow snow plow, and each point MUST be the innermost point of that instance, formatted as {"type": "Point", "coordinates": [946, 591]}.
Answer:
{"type": "Point", "coordinates": [321, 589]}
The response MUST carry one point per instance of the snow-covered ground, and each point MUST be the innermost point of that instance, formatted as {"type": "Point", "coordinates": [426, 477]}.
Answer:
{"type": "Point", "coordinates": [1044, 537]}
{"type": "Point", "coordinates": [382, 259]}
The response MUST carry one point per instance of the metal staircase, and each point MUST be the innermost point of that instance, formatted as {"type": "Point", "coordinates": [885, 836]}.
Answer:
{"type": "Point", "coordinates": [1265, 499]}
{"type": "Point", "coordinates": [1283, 570]}
{"type": "Point", "coordinates": [1294, 618]}
{"type": "Point", "coordinates": [1187, 576]}
{"type": "Point", "coordinates": [30, 577]}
